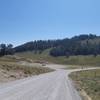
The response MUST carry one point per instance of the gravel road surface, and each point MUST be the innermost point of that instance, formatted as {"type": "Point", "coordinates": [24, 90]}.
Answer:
{"type": "Point", "coordinates": [50, 86]}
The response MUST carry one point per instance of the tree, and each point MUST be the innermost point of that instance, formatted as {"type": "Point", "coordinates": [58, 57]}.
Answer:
{"type": "Point", "coordinates": [2, 49]}
{"type": "Point", "coordinates": [6, 49]}
{"type": "Point", "coordinates": [67, 54]}
{"type": "Point", "coordinates": [9, 49]}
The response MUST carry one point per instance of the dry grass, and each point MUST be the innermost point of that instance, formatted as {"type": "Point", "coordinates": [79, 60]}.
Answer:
{"type": "Point", "coordinates": [11, 70]}
{"type": "Point", "coordinates": [88, 81]}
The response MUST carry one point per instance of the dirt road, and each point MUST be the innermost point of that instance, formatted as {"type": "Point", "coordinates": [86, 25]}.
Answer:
{"type": "Point", "coordinates": [50, 86]}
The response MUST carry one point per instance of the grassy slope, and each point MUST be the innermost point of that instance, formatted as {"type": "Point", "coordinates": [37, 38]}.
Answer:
{"type": "Point", "coordinates": [10, 63]}
{"type": "Point", "coordinates": [88, 81]}
{"type": "Point", "coordinates": [10, 70]}
{"type": "Point", "coordinates": [72, 60]}
{"type": "Point", "coordinates": [7, 66]}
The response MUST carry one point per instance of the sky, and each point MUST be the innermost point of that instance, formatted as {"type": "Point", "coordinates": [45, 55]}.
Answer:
{"type": "Point", "coordinates": [26, 20]}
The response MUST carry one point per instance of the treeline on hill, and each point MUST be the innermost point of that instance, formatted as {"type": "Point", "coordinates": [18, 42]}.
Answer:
{"type": "Point", "coordinates": [36, 46]}
{"type": "Point", "coordinates": [6, 49]}
{"type": "Point", "coordinates": [78, 45]}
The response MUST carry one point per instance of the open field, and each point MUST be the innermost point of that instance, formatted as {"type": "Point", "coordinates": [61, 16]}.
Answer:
{"type": "Point", "coordinates": [89, 81]}
{"type": "Point", "coordinates": [72, 60]}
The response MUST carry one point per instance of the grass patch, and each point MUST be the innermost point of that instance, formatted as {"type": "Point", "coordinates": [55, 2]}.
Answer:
{"type": "Point", "coordinates": [11, 69]}
{"type": "Point", "coordinates": [72, 60]}
{"type": "Point", "coordinates": [27, 70]}
{"type": "Point", "coordinates": [88, 81]}
{"type": "Point", "coordinates": [13, 58]}
{"type": "Point", "coordinates": [75, 67]}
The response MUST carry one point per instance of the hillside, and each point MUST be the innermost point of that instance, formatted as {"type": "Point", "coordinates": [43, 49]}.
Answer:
{"type": "Point", "coordinates": [77, 45]}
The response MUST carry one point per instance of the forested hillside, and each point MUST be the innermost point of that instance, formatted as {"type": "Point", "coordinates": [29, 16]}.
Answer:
{"type": "Point", "coordinates": [77, 45]}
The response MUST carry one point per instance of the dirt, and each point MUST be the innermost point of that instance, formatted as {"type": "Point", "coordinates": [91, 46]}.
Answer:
{"type": "Point", "coordinates": [84, 95]}
{"type": "Point", "coordinates": [7, 76]}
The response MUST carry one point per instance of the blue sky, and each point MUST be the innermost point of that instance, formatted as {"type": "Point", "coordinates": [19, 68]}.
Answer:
{"type": "Point", "coordinates": [26, 20]}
